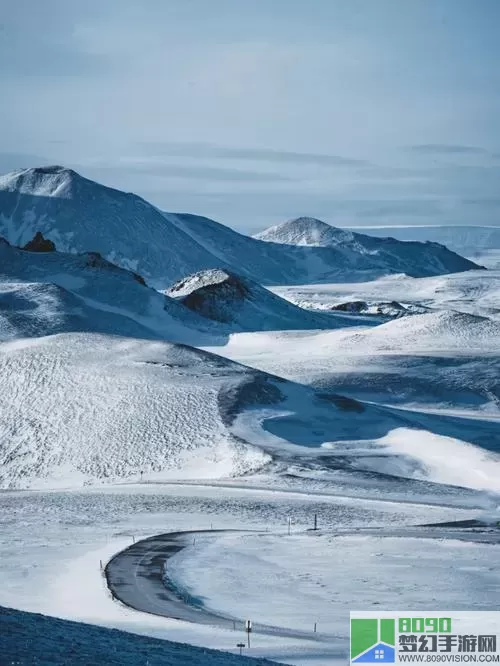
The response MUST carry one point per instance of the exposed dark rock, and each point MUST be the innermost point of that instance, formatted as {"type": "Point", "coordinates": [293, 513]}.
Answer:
{"type": "Point", "coordinates": [96, 260]}
{"type": "Point", "coordinates": [214, 294]}
{"type": "Point", "coordinates": [40, 244]}
{"type": "Point", "coordinates": [138, 278]}
{"type": "Point", "coordinates": [351, 306]}
{"type": "Point", "coordinates": [343, 402]}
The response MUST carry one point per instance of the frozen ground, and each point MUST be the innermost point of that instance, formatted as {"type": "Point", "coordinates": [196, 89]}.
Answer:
{"type": "Point", "coordinates": [313, 581]}
{"type": "Point", "coordinates": [474, 292]}
{"type": "Point", "coordinates": [53, 543]}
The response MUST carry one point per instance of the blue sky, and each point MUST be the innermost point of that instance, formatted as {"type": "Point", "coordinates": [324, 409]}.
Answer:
{"type": "Point", "coordinates": [360, 112]}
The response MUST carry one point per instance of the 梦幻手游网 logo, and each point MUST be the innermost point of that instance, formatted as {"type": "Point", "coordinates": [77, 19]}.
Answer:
{"type": "Point", "coordinates": [395, 638]}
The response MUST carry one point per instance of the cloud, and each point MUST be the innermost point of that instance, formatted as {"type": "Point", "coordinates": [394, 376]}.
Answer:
{"type": "Point", "coordinates": [195, 172]}
{"type": "Point", "coordinates": [206, 150]}
{"type": "Point", "coordinates": [447, 149]}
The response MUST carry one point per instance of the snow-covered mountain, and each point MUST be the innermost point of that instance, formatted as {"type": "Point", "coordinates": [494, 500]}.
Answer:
{"type": "Point", "coordinates": [481, 244]}
{"type": "Point", "coordinates": [359, 252]}
{"type": "Point", "coordinates": [90, 390]}
{"type": "Point", "coordinates": [244, 305]}
{"type": "Point", "coordinates": [79, 215]}
{"type": "Point", "coordinates": [42, 293]}
{"type": "Point", "coordinates": [307, 231]}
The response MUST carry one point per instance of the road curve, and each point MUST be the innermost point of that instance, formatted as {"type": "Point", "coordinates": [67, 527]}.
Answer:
{"type": "Point", "coordinates": [135, 576]}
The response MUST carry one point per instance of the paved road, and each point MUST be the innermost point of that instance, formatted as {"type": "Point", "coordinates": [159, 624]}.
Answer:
{"type": "Point", "coordinates": [135, 576]}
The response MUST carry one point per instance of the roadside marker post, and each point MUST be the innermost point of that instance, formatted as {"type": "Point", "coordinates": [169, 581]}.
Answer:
{"type": "Point", "coordinates": [248, 629]}
{"type": "Point", "coordinates": [241, 646]}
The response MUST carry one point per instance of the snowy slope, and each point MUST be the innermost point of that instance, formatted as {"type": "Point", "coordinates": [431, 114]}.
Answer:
{"type": "Point", "coordinates": [54, 292]}
{"type": "Point", "coordinates": [86, 407]}
{"type": "Point", "coordinates": [469, 241]}
{"type": "Point", "coordinates": [244, 305]}
{"type": "Point", "coordinates": [306, 231]}
{"type": "Point", "coordinates": [80, 215]}
{"type": "Point", "coordinates": [442, 331]}
{"type": "Point", "coordinates": [30, 638]}
{"type": "Point", "coordinates": [359, 251]}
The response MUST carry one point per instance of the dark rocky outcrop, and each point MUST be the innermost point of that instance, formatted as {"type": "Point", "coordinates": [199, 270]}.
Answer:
{"type": "Point", "coordinates": [39, 244]}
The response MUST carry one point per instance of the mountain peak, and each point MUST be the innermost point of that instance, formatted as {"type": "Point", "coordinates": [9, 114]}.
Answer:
{"type": "Point", "coordinates": [305, 231]}
{"type": "Point", "coordinates": [52, 169]}
{"type": "Point", "coordinates": [52, 180]}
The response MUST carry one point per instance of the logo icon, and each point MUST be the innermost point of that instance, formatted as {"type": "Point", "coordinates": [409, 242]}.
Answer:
{"type": "Point", "coordinates": [373, 641]}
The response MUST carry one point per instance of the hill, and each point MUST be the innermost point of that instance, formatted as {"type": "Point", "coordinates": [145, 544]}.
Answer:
{"type": "Point", "coordinates": [468, 240]}
{"type": "Point", "coordinates": [42, 293]}
{"type": "Point", "coordinates": [244, 305]}
{"type": "Point", "coordinates": [30, 638]}
{"type": "Point", "coordinates": [358, 252]}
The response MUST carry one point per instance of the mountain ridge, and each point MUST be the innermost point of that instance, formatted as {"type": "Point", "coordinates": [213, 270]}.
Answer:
{"type": "Point", "coordinates": [79, 215]}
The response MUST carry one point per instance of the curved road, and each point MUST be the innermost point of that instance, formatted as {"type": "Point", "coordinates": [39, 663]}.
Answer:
{"type": "Point", "coordinates": [135, 576]}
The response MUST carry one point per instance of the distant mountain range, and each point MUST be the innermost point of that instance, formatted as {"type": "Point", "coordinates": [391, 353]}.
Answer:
{"type": "Point", "coordinates": [79, 215]}
{"type": "Point", "coordinates": [470, 241]}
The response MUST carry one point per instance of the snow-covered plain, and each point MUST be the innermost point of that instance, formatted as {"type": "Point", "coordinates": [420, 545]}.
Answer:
{"type": "Point", "coordinates": [310, 574]}
{"type": "Point", "coordinates": [474, 292]}
{"type": "Point", "coordinates": [53, 543]}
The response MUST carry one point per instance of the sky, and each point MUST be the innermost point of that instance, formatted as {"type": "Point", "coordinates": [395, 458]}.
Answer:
{"type": "Point", "coordinates": [358, 112]}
